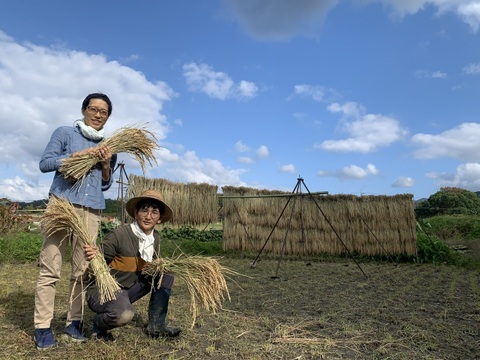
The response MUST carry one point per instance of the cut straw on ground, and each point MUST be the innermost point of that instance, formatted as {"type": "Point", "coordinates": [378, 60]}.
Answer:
{"type": "Point", "coordinates": [60, 215]}
{"type": "Point", "coordinates": [204, 277]}
{"type": "Point", "coordinates": [138, 142]}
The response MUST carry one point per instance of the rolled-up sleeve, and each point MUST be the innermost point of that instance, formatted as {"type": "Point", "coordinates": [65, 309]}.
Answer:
{"type": "Point", "coordinates": [107, 184]}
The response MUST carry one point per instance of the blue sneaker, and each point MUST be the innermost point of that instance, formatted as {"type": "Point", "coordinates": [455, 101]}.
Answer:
{"type": "Point", "coordinates": [44, 339]}
{"type": "Point", "coordinates": [74, 330]}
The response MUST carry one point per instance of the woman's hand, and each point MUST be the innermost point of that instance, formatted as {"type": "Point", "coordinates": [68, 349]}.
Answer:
{"type": "Point", "coordinates": [90, 252]}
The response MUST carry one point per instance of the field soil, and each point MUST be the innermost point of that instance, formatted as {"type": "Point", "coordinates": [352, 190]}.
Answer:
{"type": "Point", "coordinates": [312, 310]}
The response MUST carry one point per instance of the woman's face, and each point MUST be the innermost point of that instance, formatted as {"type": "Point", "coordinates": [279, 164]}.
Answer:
{"type": "Point", "coordinates": [96, 114]}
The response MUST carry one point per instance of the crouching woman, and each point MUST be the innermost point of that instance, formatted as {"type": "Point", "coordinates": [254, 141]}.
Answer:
{"type": "Point", "coordinates": [126, 250]}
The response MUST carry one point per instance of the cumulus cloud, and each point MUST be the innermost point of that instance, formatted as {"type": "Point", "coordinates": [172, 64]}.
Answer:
{"type": "Point", "coordinates": [467, 176]}
{"type": "Point", "coordinates": [245, 160]}
{"type": "Point", "coordinates": [439, 75]}
{"type": "Point", "coordinates": [316, 92]}
{"type": "Point", "coordinates": [216, 84]}
{"type": "Point", "coordinates": [356, 172]}
{"type": "Point", "coordinates": [188, 167]}
{"type": "Point", "coordinates": [287, 168]}
{"type": "Point", "coordinates": [421, 74]}
{"type": "Point", "coordinates": [367, 132]}
{"type": "Point", "coordinates": [460, 142]}
{"type": "Point", "coordinates": [472, 69]}
{"type": "Point", "coordinates": [240, 147]}
{"type": "Point", "coordinates": [247, 89]}
{"type": "Point", "coordinates": [37, 96]}
{"type": "Point", "coordinates": [351, 172]}
{"type": "Point", "coordinates": [262, 152]}
{"type": "Point", "coordinates": [467, 11]}
{"type": "Point", "coordinates": [19, 189]}
{"type": "Point", "coordinates": [403, 181]}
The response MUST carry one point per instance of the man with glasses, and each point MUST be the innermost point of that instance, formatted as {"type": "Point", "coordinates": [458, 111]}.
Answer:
{"type": "Point", "coordinates": [84, 137]}
{"type": "Point", "coordinates": [126, 250]}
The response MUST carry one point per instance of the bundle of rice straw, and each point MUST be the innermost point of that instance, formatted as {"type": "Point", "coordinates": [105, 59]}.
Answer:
{"type": "Point", "coordinates": [60, 215]}
{"type": "Point", "coordinates": [138, 142]}
{"type": "Point", "coordinates": [202, 275]}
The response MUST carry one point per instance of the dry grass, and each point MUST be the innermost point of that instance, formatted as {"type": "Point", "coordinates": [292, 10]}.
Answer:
{"type": "Point", "coordinates": [192, 203]}
{"type": "Point", "coordinates": [313, 311]}
{"type": "Point", "coordinates": [61, 216]}
{"type": "Point", "coordinates": [138, 142]}
{"type": "Point", "coordinates": [204, 277]}
{"type": "Point", "coordinates": [316, 224]}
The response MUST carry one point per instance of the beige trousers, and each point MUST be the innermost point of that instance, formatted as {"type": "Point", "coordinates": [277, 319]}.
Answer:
{"type": "Point", "coordinates": [51, 258]}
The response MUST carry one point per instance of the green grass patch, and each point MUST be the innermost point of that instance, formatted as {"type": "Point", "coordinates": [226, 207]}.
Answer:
{"type": "Point", "coordinates": [432, 249]}
{"type": "Point", "coordinates": [450, 227]}
{"type": "Point", "coordinates": [20, 247]}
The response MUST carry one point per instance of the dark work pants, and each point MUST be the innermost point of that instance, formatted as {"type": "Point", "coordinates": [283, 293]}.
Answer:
{"type": "Point", "coordinates": [119, 312]}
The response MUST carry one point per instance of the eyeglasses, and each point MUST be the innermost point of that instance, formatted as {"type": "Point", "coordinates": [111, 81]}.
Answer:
{"type": "Point", "coordinates": [153, 213]}
{"type": "Point", "coordinates": [92, 110]}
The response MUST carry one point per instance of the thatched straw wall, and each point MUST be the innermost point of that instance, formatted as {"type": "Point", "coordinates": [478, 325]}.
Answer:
{"type": "Point", "coordinates": [368, 225]}
{"type": "Point", "coordinates": [192, 204]}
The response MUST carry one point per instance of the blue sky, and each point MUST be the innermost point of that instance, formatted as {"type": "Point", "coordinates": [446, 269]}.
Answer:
{"type": "Point", "coordinates": [359, 97]}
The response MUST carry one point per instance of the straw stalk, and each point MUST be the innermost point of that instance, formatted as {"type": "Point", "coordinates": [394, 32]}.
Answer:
{"type": "Point", "coordinates": [60, 215]}
{"type": "Point", "coordinates": [203, 276]}
{"type": "Point", "coordinates": [138, 142]}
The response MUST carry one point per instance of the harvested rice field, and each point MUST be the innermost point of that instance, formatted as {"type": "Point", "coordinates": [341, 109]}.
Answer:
{"type": "Point", "coordinates": [313, 310]}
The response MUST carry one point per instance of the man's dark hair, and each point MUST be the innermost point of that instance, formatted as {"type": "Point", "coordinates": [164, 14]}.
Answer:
{"type": "Point", "coordinates": [101, 96]}
{"type": "Point", "coordinates": [145, 203]}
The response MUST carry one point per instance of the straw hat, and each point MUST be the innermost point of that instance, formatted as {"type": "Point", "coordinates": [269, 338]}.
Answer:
{"type": "Point", "coordinates": [166, 213]}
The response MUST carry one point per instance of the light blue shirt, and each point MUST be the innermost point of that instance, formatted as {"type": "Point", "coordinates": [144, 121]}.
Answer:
{"type": "Point", "coordinates": [88, 192]}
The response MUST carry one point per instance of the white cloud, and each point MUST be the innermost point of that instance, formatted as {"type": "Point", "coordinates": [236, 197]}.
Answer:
{"type": "Point", "coordinates": [190, 169]}
{"type": "Point", "coordinates": [216, 85]}
{"type": "Point", "coordinates": [18, 189]}
{"type": "Point", "coordinates": [439, 75]}
{"type": "Point", "coordinates": [403, 181]}
{"type": "Point", "coordinates": [467, 10]}
{"type": "Point", "coordinates": [356, 172]}
{"type": "Point", "coordinates": [467, 176]}
{"type": "Point", "coordinates": [472, 69]}
{"type": "Point", "coordinates": [288, 168]}
{"type": "Point", "coordinates": [262, 152]}
{"type": "Point", "coordinates": [240, 147]}
{"type": "Point", "coordinates": [351, 172]}
{"type": "Point", "coordinates": [314, 91]}
{"type": "Point", "coordinates": [245, 160]}
{"type": "Point", "coordinates": [37, 96]}
{"type": "Point", "coordinates": [247, 89]}
{"type": "Point", "coordinates": [421, 74]}
{"type": "Point", "coordinates": [372, 169]}
{"type": "Point", "coordinates": [460, 142]}
{"type": "Point", "coordinates": [349, 109]}
{"type": "Point", "coordinates": [367, 132]}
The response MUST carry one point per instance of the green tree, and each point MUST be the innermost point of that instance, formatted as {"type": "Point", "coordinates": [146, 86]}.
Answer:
{"type": "Point", "coordinates": [449, 201]}
{"type": "Point", "coordinates": [113, 207]}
